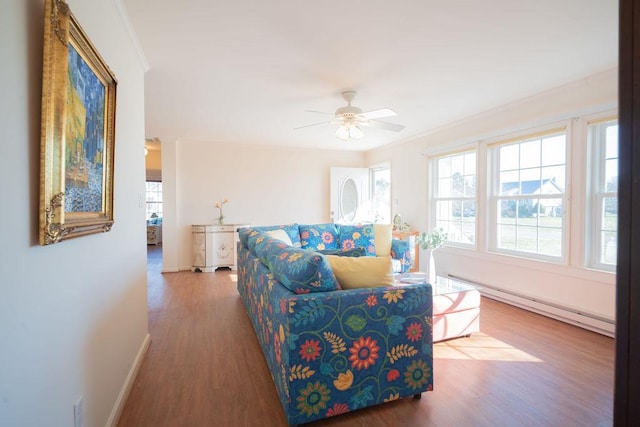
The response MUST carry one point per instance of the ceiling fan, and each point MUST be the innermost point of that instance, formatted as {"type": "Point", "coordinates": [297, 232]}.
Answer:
{"type": "Point", "coordinates": [350, 119]}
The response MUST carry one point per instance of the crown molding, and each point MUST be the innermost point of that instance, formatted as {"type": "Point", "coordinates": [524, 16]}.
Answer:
{"type": "Point", "coordinates": [124, 17]}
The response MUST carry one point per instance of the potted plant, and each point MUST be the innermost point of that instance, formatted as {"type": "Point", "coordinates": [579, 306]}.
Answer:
{"type": "Point", "coordinates": [219, 205]}
{"type": "Point", "coordinates": [430, 242]}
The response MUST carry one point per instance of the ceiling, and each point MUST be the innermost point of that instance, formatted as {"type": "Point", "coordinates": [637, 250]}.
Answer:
{"type": "Point", "coordinates": [245, 71]}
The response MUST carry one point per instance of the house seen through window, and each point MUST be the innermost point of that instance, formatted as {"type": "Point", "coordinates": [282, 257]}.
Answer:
{"type": "Point", "coordinates": [525, 203]}
{"type": "Point", "coordinates": [529, 195]}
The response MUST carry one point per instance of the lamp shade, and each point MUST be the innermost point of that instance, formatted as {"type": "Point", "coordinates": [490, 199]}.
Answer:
{"type": "Point", "coordinates": [349, 131]}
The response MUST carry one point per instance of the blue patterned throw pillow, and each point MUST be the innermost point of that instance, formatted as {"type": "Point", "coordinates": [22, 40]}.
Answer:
{"type": "Point", "coordinates": [260, 243]}
{"type": "Point", "coordinates": [400, 250]}
{"type": "Point", "coordinates": [319, 236]}
{"type": "Point", "coordinates": [358, 236]}
{"type": "Point", "coordinates": [301, 271]}
{"type": "Point", "coordinates": [292, 230]}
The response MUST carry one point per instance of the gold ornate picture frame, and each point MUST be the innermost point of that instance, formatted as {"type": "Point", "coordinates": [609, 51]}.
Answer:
{"type": "Point", "coordinates": [77, 131]}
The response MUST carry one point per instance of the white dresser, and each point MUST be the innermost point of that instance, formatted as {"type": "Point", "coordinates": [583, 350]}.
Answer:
{"type": "Point", "coordinates": [214, 246]}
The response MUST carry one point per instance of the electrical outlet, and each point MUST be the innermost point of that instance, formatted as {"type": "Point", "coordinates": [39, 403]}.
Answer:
{"type": "Point", "coordinates": [78, 413]}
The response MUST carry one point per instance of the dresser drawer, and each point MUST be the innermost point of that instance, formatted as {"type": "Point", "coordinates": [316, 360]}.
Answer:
{"type": "Point", "coordinates": [220, 228]}
{"type": "Point", "coordinates": [213, 228]}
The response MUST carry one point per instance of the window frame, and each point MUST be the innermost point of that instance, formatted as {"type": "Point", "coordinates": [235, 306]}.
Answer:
{"type": "Point", "coordinates": [372, 190]}
{"type": "Point", "coordinates": [596, 191]}
{"type": "Point", "coordinates": [435, 196]}
{"type": "Point", "coordinates": [494, 197]}
{"type": "Point", "coordinates": [148, 202]}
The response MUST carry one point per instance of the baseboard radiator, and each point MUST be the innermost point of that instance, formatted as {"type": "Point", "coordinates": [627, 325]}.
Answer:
{"type": "Point", "coordinates": [584, 320]}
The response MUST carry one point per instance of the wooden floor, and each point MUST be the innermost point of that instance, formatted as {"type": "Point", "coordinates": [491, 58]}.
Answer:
{"type": "Point", "coordinates": [205, 368]}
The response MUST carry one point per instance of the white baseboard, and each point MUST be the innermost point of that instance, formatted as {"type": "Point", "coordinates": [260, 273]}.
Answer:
{"type": "Point", "coordinates": [128, 383]}
{"type": "Point", "coordinates": [572, 316]}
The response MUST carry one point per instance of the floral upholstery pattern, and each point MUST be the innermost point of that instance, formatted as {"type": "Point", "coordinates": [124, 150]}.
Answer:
{"type": "Point", "coordinates": [358, 236]}
{"type": "Point", "coordinates": [293, 231]}
{"type": "Point", "coordinates": [338, 351]}
{"type": "Point", "coordinates": [401, 250]}
{"type": "Point", "coordinates": [348, 237]}
{"type": "Point", "coordinates": [319, 236]}
{"type": "Point", "coordinates": [356, 252]}
{"type": "Point", "coordinates": [299, 270]}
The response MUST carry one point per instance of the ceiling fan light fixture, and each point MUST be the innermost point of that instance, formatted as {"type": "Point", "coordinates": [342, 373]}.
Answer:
{"type": "Point", "coordinates": [350, 119]}
{"type": "Point", "coordinates": [349, 131]}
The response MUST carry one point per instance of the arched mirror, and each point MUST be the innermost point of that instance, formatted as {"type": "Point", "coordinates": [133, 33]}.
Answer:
{"type": "Point", "coordinates": [349, 200]}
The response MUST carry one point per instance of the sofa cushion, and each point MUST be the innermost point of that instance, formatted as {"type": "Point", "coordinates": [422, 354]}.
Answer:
{"type": "Point", "coordinates": [362, 272]}
{"type": "Point", "coordinates": [383, 237]}
{"type": "Point", "coordinates": [319, 236]}
{"type": "Point", "coordinates": [299, 270]}
{"type": "Point", "coordinates": [358, 236]}
{"type": "Point", "coordinates": [356, 252]}
{"type": "Point", "coordinates": [243, 235]}
{"type": "Point", "coordinates": [281, 235]}
{"type": "Point", "coordinates": [292, 230]}
{"type": "Point", "coordinates": [302, 271]}
{"type": "Point", "coordinates": [260, 244]}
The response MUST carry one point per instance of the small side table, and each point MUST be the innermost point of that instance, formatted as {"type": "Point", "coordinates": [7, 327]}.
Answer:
{"type": "Point", "coordinates": [154, 234]}
{"type": "Point", "coordinates": [456, 306]}
{"type": "Point", "coordinates": [214, 246]}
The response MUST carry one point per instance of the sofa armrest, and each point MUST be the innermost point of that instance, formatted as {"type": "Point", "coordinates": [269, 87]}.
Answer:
{"type": "Point", "coordinates": [355, 348]}
{"type": "Point", "coordinates": [401, 250]}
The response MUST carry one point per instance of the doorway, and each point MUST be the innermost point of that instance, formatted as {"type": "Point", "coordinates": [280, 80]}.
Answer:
{"type": "Point", "coordinates": [154, 205]}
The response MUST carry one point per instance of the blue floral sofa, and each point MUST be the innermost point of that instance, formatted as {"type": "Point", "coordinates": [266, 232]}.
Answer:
{"type": "Point", "coordinates": [329, 350]}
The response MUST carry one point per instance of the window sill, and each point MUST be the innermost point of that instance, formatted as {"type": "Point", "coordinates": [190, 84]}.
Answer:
{"type": "Point", "coordinates": [608, 277]}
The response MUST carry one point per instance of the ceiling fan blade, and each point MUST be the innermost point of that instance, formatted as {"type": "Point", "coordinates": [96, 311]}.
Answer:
{"type": "Point", "coordinates": [378, 114]}
{"type": "Point", "coordinates": [383, 125]}
{"type": "Point", "coordinates": [313, 124]}
{"type": "Point", "coordinates": [319, 112]}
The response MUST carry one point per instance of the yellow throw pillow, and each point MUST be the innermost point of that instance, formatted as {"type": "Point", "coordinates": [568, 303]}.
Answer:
{"type": "Point", "coordinates": [382, 235]}
{"type": "Point", "coordinates": [361, 272]}
{"type": "Point", "coordinates": [280, 234]}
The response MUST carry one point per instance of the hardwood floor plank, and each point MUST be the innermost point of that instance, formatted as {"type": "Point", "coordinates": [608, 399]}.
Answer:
{"type": "Point", "coordinates": [205, 368]}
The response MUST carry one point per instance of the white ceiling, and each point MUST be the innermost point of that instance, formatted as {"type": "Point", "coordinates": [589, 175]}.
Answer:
{"type": "Point", "coordinates": [244, 71]}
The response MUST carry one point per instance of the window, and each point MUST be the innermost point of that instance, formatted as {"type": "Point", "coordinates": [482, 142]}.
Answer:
{"type": "Point", "coordinates": [455, 196]}
{"type": "Point", "coordinates": [154, 199]}
{"type": "Point", "coordinates": [528, 198]}
{"type": "Point", "coordinates": [381, 194]}
{"type": "Point", "coordinates": [602, 240]}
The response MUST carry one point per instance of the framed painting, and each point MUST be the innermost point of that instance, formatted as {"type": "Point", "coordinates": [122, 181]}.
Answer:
{"type": "Point", "coordinates": [77, 131]}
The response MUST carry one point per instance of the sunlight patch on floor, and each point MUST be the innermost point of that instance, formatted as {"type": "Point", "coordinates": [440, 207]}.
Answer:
{"type": "Point", "coordinates": [480, 347]}
{"type": "Point", "coordinates": [233, 277]}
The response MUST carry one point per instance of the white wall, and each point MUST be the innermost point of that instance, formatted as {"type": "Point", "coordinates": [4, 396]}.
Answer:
{"type": "Point", "coordinates": [263, 185]}
{"type": "Point", "coordinates": [569, 285]}
{"type": "Point", "coordinates": [73, 316]}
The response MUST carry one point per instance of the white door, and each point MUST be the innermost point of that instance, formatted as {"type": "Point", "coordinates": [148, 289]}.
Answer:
{"type": "Point", "coordinates": [349, 201]}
